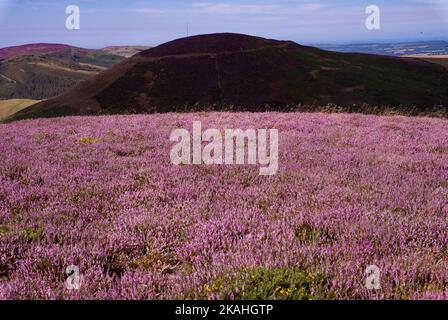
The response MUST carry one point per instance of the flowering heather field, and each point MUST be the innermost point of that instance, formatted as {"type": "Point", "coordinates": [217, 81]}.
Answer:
{"type": "Point", "coordinates": [101, 193]}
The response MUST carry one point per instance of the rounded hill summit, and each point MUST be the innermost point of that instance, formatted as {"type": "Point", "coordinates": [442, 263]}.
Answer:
{"type": "Point", "coordinates": [246, 73]}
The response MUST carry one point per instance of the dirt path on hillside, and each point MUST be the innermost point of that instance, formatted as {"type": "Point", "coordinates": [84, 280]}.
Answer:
{"type": "Point", "coordinates": [212, 55]}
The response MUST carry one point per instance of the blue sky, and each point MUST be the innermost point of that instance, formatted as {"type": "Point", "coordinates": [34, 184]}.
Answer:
{"type": "Point", "coordinates": [120, 22]}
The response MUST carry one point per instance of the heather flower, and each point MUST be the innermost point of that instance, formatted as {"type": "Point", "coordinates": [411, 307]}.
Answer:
{"type": "Point", "coordinates": [101, 193]}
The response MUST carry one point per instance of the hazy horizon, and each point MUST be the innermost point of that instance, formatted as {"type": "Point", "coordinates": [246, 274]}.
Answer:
{"type": "Point", "coordinates": [336, 43]}
{"type": "Point", "coordinates": [139, 22]}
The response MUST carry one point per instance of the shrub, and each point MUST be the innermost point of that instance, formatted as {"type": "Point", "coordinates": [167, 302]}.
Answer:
{"type": "Point", "coordinates": [270, 284]}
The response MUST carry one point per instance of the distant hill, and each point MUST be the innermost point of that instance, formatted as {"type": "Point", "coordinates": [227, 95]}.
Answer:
{"type": "Point", "coordinates": [31, 49]}
{"type": "Point", "coordinates": [240, 72]}
{"type": "Point", "coordinates": [42, 71]}
{"type": "Point", "coordinates": [125, 51]}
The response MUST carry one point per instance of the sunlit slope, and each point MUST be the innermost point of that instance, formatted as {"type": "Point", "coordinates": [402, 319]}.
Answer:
{"type": "Point", "coordinates": [9, 107]}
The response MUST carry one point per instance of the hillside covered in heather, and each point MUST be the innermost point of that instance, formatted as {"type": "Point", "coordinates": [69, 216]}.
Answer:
{"type": "Point", "coordinates": [244, 73]}
{"type": "Point", "coordinates": [101, 193]}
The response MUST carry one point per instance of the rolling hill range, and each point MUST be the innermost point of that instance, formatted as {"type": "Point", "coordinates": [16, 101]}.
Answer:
{"type": "Point", "coordinates": [245, 73]}
{"type": "Point", "coordinates": [42, 71]}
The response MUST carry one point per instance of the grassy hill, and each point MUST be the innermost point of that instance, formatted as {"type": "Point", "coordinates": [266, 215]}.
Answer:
{"type": "Point", "coordinates": [44, 71]}
{"type": "Point", "coordinates": [239, 72]}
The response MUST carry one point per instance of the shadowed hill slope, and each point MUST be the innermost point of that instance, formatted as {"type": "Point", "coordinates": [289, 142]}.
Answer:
{"type": "Point", "coordinates": [221, 71]}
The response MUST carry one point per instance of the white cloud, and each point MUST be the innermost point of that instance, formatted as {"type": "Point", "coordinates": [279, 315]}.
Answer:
{"type": "Point", "coordinates": [147, 10]}
{"type": "Point", "coordinates": [260, 9]}
{"type": "Point", "coordinates": [235, 9]}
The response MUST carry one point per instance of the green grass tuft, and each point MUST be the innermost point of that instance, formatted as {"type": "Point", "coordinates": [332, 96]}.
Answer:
{"type": "Point", "coordinates": [269, 284]}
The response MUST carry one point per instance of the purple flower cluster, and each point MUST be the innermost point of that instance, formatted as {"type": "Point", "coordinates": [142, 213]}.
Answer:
{"type": "Point", "coordinates": [101, 193]}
